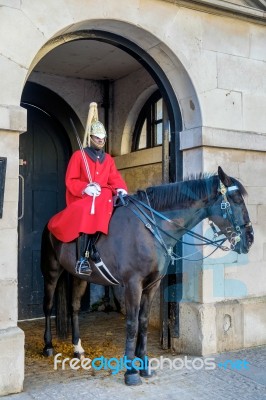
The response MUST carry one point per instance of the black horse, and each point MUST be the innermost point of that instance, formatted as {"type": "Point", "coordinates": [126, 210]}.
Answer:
{"type": "Point", "coordinates": [138, 249]}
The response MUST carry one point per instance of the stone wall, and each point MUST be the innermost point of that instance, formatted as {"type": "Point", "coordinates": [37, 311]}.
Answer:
{"type": "Point", "coordinates": [12, 120]}
{"type": "Point", "coordinates": [215, 64]}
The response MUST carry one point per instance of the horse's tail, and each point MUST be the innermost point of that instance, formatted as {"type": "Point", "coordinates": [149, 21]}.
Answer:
{"type": "Point", "coordinates": [62, 305]}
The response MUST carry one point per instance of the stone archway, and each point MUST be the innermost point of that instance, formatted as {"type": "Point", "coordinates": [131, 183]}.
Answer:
{"type": "Point", "coordinates": [156, 57]}
{"type": "Point", "coordinates": [161, 64]}
{"type": "Point", "coordinates": [168, 69]}
{"type": "Point", "coordinates": [159, 60]}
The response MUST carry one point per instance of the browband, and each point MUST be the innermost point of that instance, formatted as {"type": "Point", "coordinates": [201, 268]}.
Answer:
{"type": "Point", "coordinates": [232, 188]}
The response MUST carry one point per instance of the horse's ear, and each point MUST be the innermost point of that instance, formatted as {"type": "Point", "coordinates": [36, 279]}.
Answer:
{"type": "Point", "coordinates": [223, 177]}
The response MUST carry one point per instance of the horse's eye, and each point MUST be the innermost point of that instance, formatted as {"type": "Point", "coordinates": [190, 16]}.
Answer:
{"type": "Point", "coordinates": [236, 197]}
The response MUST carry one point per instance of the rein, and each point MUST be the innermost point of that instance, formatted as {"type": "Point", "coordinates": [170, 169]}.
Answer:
{"type": "Point", "coordinates": [142, 215]}
{"type": "Point", "coordinates": [155, 231]}
{"type": "Point", "coordinates": [153, 211]}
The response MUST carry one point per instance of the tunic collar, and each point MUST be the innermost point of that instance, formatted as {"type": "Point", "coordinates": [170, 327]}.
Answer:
{"type": "Point", "coordinates": [95, 154]}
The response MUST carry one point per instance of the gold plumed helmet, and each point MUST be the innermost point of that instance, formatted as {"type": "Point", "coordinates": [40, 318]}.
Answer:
{"type": "Point", "coordinates": [93, 126]}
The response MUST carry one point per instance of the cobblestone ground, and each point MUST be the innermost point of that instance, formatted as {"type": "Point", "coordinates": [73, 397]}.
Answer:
{"type": "Point", "coordinates": [104, 334]}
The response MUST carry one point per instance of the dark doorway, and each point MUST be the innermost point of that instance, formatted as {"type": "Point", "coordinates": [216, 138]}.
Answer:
{"type": "Point", "coordinates": [44, 153]}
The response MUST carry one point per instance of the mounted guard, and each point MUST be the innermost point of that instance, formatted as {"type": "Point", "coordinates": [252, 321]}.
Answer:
{"type": "Point", "coordinates": [139, 247]}
{"type": "Point", "coordinates": [92, 180]}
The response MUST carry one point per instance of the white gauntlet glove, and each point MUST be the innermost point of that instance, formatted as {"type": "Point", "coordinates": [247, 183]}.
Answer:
{"type": "Point", "coordinates": [93, 189]}
{"type": "Point", "coordinates": [122, 191]}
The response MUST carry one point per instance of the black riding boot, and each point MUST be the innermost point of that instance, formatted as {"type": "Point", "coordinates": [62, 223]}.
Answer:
{"type": "Point", "coordinates": [83, 266]}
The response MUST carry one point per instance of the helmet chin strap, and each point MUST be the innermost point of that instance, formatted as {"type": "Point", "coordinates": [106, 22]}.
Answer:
{"type": "Point", "coordinates": [98, 145]}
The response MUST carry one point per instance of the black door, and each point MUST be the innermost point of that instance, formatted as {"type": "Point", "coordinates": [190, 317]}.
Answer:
{"type": "Point", "coordinates": [44, 153]}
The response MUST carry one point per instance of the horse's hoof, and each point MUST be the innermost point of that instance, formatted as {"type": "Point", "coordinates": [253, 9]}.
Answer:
{"type": "Point", "coordinates": [78, 355]}
{"type": "Point", "coordinates": [144, 373]}
{"type": "Point", "coordinates": [132, 380]}
{"type": "Point", "coordinates": [48, 352]}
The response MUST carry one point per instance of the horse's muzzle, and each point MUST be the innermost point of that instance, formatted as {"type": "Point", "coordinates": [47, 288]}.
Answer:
{"type": "Point", "coordinates": [249, 235]}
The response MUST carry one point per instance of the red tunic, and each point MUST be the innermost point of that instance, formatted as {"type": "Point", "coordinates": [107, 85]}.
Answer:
{"type": "Point", "coordinates": [76, 217]}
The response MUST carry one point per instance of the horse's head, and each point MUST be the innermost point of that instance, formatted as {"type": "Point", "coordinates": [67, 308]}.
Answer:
{"type": "Point", "coordinates": [230, 213]}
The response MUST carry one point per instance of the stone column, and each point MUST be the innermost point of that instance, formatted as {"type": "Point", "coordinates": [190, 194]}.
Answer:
{"type": "Point", "coordinates": [224, 298]}
{"type": "Point", "coordinates": [12, 123]}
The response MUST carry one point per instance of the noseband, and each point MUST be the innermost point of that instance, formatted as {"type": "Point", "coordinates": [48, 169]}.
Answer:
{"type": "Point", "coordinates": [235, 233]}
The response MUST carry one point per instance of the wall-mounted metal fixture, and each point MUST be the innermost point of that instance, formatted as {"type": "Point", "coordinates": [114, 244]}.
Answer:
{"type": "Point", "coordinates": [2, 182]}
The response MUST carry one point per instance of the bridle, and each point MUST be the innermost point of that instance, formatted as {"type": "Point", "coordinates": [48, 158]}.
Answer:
{"type": "Point", "coordinates": [150, 223]}
{"type": "Point", "coordinates": [233, 235]}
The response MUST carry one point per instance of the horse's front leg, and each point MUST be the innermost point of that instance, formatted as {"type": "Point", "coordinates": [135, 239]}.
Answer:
{"type": "Point", "coordinates": [78, 290]}
{"type": "Point", "coordinates": [132, 302]}
{"type": "Point", "coordinates": [144, 313]}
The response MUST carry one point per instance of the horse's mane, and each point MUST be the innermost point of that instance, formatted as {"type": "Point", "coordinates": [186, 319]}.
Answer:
{"type": "Point", "coordinates": [185, 192]}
